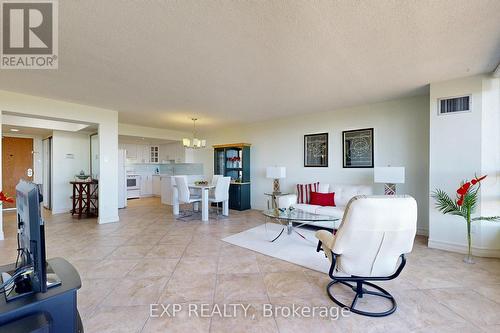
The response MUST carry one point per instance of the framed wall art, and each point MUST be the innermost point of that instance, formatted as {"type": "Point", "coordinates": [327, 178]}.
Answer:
{"type": "Point", "coordinates": [357, 148]}
{"type": "Point", "coordinates": [316, 150]}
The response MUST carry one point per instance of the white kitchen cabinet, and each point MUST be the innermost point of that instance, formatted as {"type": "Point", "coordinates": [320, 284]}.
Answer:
{"type": "Point", "coordinates": [156, 185]}
{"type": "Point", "coordinates": [146, 186]}
{"type": "Point", "coordinates": [154, 154]}
{"type": "Point", "coordinates": [163, 153]}
{"type": "Point", "coordinates": [131, 151]}
{"type": "Point", "coordinates": [167, 152]}
{"type": "Point", "coordinates": [180, 155]}
{"type": "Point", "coordinates": [145, 154]}
{"type": "Point", "coordinates": [173, 152]}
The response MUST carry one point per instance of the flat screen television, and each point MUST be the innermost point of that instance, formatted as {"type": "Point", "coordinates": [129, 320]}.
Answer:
{"type": "Point", "coordinates": [31, 233]}
{"type": "Point", "coordinates": [31, 270]}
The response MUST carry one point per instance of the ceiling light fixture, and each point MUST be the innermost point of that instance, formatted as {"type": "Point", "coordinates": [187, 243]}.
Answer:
{"type": "Point", "coordinates": [14, 130]}
{"type": "Point", "coordinates": [194, 142]}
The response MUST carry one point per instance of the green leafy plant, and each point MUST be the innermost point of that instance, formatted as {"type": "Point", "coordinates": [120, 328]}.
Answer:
{"type": "Point", "coordinates": [464, 205]}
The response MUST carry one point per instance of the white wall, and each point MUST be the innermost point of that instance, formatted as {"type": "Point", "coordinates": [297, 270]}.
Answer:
{"type": "Point", "coordinates": [71, 154]}
{"type": "Point", "coordinates": [107, 121]}
{"type": "Point", "coordinates": [400, 139]}
{"type": "Point", "coordinates": [462, 145]}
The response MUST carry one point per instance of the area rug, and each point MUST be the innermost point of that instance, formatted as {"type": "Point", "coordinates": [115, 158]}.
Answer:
{"type": "Point", "coordinates": [292, 248]}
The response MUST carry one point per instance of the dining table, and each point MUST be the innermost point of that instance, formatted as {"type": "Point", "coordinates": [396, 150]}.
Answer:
{"type": "Point", "coordinates": [205, 190]}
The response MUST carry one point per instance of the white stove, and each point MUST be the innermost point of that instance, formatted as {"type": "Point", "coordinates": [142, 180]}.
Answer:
{"type": "Point", "coordinates": [133, 186]}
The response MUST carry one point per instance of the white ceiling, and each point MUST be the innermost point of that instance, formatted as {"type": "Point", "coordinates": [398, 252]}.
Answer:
{"type": "Point", "coordinates": [226, 62]}
{"type": "Point", "coordinates": [30, 122]}
{"type": "Point", "coordinates": [30, 131]}
{"type": "Point", "coordinates": [22, 125]}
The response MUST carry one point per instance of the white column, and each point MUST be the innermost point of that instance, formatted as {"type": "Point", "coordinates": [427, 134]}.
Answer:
{"type": "Point", "coordinates": [108, 171]}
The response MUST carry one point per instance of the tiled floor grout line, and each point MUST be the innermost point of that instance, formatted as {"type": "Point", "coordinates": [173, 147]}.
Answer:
{"type": "Point", "coordinates": [168, 280]}
{"type": "Point", "coordinates": [215, 288]}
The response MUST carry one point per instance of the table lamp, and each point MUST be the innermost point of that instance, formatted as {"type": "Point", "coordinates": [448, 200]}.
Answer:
{"type": "Point", "coordinates": [276, 172]}
{"type": "Point", "coordinates": [390, 176]}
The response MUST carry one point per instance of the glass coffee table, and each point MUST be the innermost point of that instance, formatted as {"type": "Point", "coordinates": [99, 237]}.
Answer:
{"type": "Point", "coordinates": [287, 217]}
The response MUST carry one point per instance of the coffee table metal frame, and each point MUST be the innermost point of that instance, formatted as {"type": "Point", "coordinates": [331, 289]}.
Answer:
{"type": "Point", "coordinates": [286, 218]}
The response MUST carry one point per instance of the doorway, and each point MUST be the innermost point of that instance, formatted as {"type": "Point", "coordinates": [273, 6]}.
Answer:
{"type": "Point", "coordinates": [17, 164]}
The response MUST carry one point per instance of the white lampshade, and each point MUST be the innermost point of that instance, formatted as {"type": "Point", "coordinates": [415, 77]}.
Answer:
{"type": "Point", "coordinates": [389, 175]}
{"type": "Point", "coordinates": [275, 172]}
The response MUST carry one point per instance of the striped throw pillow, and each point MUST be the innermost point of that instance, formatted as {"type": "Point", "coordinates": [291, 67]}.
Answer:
{"type": "Point", "coordinates": [304, 192]}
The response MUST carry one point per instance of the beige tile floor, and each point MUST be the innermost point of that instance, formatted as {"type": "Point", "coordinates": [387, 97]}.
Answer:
{"type": "Point", "coordinates": [149, 257]}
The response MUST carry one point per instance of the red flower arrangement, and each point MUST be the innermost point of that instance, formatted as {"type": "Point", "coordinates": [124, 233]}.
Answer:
{"type": "Point", "coordinates": [462, 191]}
{"type": "Point", "coordinates": [4, 198]}
{"type": "Point", "coordinates": [234, 159]}
{"type": "Point", "coordinates": [464, 205]}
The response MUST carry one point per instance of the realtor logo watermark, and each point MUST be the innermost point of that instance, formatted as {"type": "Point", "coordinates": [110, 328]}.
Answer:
{"type": "Point", "coordinates": [29, 34]}
{"type": "Point", "coordinates": [234, 310]}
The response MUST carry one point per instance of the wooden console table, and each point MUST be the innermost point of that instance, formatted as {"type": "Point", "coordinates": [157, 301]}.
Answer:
{"type": "Point", "coordinates": [85, 198]}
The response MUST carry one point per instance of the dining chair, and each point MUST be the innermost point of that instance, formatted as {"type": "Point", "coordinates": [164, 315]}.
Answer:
{"type": "Point", "coordinates": [221, 192]}
{"type": "Point", "coordinates": [185, 196]}
{"type": "Point", "coordinates": [215, 178]}
{"type": "Point", "coordinates": [214, 183]}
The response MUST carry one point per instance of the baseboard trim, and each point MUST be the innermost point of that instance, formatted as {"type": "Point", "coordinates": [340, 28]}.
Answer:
{"type": "Point", "coordinates": [461, 248]}
{"type": "Point", "coordinates": [61, 211]}
{"type": "Point", "coordinates": [112, 219]}
{"type": "Point", "coordinates": [422, 232]}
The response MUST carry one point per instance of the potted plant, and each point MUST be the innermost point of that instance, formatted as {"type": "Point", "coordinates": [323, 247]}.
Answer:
{"type": "Point", "coordinates": [464, 205]}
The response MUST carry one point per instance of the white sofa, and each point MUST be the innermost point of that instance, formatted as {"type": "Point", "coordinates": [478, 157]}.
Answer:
{"type": "Point", "coordinates": [343, 193]}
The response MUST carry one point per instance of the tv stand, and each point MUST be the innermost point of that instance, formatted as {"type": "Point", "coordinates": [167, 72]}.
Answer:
{"type": "Point", "coordinates": [52, 311]}
{"type": "Point", "coordinates": [22, 287]}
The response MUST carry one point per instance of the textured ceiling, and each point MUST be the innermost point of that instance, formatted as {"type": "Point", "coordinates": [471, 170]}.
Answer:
{"type": "Point", "coordinates": [226, 62]}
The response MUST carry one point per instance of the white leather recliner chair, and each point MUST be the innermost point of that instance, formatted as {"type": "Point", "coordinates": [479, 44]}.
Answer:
{"type": "Point", "coordinates": [370, 245]}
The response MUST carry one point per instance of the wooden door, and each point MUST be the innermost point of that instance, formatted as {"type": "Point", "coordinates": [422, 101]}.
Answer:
{"type": "Point", "coordinates": [17, 160]}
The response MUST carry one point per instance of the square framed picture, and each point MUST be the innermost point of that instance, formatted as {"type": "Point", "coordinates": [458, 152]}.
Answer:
{"type": "Point", "coordinates": [357, 148]}
{"type": "Point", "coordinates": [316, 150]}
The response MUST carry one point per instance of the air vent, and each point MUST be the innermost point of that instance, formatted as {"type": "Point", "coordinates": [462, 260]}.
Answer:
{"type": "Point", "coordinates": [454, 104]}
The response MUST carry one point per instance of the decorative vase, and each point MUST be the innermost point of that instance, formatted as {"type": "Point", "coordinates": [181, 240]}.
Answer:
{"type": "Point", "coordinates": [469, 259]}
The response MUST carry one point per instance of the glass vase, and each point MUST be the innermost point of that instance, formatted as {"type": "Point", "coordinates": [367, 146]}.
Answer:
{"type": "Point", "coordinates": [469, 259]}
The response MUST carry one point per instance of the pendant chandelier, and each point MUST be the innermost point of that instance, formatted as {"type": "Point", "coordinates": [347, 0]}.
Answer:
{"type": "Point", "coordinates": [194, 142]}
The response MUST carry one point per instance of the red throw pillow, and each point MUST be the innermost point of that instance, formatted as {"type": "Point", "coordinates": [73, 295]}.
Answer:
{"type": "Point", "coordinates": [304, 191]}
{"type": "Point", "coordinates": [323, 199]}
